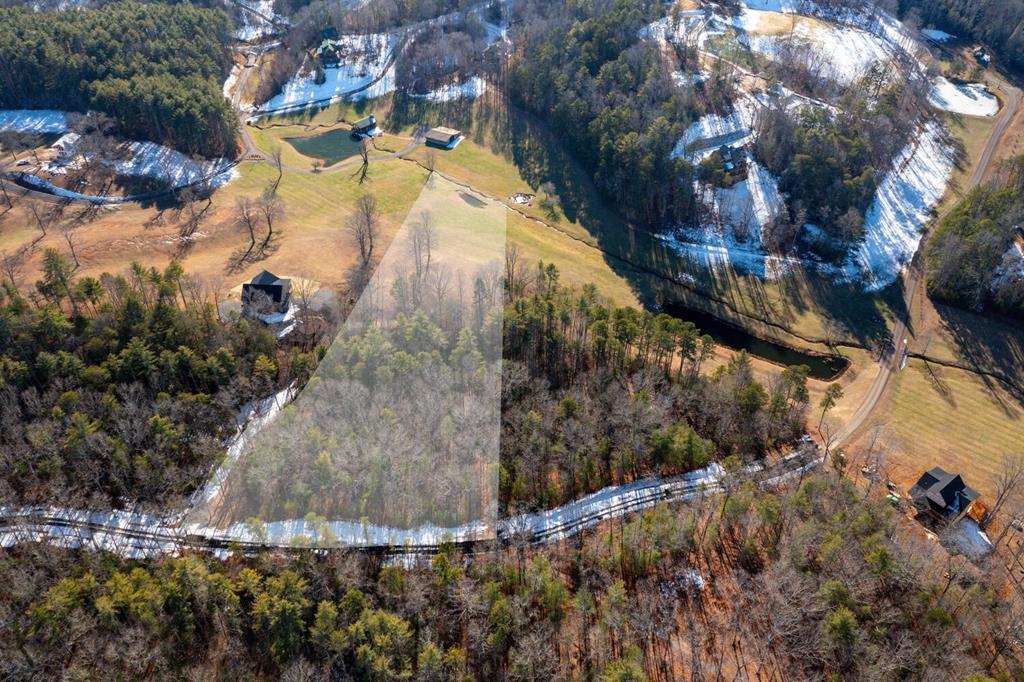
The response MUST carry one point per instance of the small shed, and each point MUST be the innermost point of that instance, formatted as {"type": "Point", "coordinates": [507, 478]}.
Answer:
{"type": "Point", "coordinates": [443, 138]}
{"type": "Point", "coordinates": [365, 126]}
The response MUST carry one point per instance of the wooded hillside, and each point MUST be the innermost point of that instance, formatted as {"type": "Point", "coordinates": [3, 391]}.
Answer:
{"type": "Point", "coordinates": [119, 387]}
{"type": "Point", "coordinates": [999, 23]}
{"type": "Point", "coordinates": [967, 249]}
{"type": "Point", "coordinates": [156, 69]}
{"type": "Point", "coordinates": [610, 97]}
{"type": "Point", "coordinates": [802, 584]}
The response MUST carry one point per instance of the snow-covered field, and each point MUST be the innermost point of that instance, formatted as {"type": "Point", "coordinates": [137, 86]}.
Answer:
{"type": "Point", "coordinates": [713, 130]}
{"type": "Point", "coordinates": [364, 60]}
{"type": "Point", "coordinates": [33, 121]}
{"type": "Point", "coordinates": [845, 53]}
{"type": "Point", "coordinates": [735, 238]}
{"type": "Point", "coordinates": [470, 89]}
{"type": "Point", "coordinates": [901, 207]}
{"type": "Point", "coordinates": [174, 169]}
{"type": "Point", "coordinates": [970, 99]}
{"type": "Point", "coordinates": [253, 24]}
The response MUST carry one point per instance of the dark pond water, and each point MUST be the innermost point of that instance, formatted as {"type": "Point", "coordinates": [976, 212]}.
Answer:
{"type": "Point", "coordinates": [824, 367]}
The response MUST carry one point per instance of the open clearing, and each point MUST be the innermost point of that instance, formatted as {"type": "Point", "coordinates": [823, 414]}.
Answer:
{"type": "Point", "coordinates": [939, 416]}
{"type": "Point", "coordinates": [315, 208]}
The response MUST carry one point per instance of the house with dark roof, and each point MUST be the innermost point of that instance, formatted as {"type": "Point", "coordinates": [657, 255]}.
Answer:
{"type": "Point", "coordinates": [734, 160]}
{"type": "Point", "coordinates": [443, 138]}
{"type": "Point", "coordinates": [943, 495]}
{"type": "Point", "coordinates": [266, 294]}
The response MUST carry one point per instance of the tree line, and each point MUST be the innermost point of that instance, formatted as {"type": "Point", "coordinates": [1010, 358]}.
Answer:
{"type": "Point", "coordinates": [597, 395]}
{"type": "Point", "coordinates": [998, 23]}
{"type": "Point", "coordinates": [970, 260]}
{"type": "Point", "coordinates": [156, 69]}
{"type": "Point", "coordinates": [830, 162]}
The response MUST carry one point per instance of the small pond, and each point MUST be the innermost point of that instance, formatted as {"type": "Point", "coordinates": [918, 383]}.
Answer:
{"type": "Point", "coordinates": [823, 367]}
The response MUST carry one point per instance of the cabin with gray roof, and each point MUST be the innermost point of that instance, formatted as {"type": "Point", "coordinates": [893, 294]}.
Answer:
{"type": "Point", "coordinates": [943, 495]}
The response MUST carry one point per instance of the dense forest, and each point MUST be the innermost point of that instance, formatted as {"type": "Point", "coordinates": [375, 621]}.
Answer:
{"type": "Point", "coordinates": [967, 249]}
{"type": "Point", "coordinates": [595, 395]}
{"type": "Point", "coordinates": [799, 584]}
{"type": "Point", "coordinates": [120, 388]}
{"type": "Point", "coordinates": [591, 395]}
{"type": "Point", "coordinates": [610, 97]}
{"type": "Point", "coordinates": [998, 23]}
{"type": "Point", "coordinates": [155, 69]}
{"type": "Point", "coordinates": [829, 163]}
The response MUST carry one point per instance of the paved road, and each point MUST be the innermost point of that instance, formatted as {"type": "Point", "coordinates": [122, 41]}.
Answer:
{"type": "Point", "coordinates": [914, 279]}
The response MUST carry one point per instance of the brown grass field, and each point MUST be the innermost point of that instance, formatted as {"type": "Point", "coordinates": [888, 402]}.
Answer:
{"type": "Point", "coordinates": [938, 416]}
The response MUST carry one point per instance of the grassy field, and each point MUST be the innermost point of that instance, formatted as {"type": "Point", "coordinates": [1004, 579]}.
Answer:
{"type": "Point", "coordinates": [311, 243]}
{"type": "Point", "coordinates": [937, 416]}
{"type": "Point", "coordinates": [981, 342]}
{"type": "Point", "coordinates": [972, 134]}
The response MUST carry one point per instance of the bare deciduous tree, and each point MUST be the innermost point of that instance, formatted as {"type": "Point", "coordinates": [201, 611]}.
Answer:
{"type": "Point", "coordinates": [362, 228]}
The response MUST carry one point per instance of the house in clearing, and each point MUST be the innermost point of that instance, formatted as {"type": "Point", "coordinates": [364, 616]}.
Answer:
{"type": "Point", "coordinates": [266, 294]}
{"type": "Point", "coordinates": [734, 160]}
{"type": "Point", "coordinates": [364, 126]}
{"type": "Point", "coordinates": [64, 148]}
{"type": "Point", "coordinates": [943, 496]}
{"type": "Point", "coordinates": [327, 53]}
{"type": "Point", "coordinates": [443, 138]}
{"type": "Point", "coordinates": [268, 299]}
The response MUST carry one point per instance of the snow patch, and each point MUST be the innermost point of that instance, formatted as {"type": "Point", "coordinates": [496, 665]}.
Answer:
{"type": "Point", "coordinates": [674, 29]}
{"type": "Point", "coordinates": [257, 18]}
{"type": "Point", "coordinates": [713, 130]}
{"type": "Point", "coordinates": [969, 539]}
{"type": "Point", "coordinates": [33, 121]}
{"type": "Point", "coordinates": [937, 35]}
{"type": "Point", "coordinates": [170, 166]}
{"type": "Point", "coordinates": [231, 80]}
{"type": "Point", "coordinates": [470, 89]}
{"type": "Point", "coordinates": [901, 207]}
{"type": "Point", "coordinates": [970, 99]}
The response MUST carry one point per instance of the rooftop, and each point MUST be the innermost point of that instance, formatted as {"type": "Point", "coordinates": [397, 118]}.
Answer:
{"type": "Point", "coordinates": [944, 492]}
